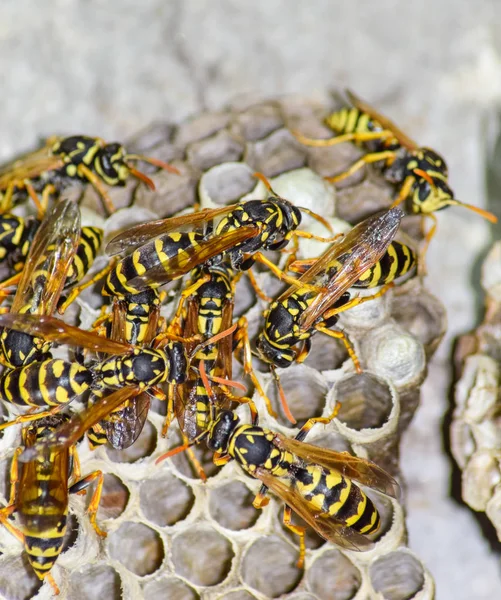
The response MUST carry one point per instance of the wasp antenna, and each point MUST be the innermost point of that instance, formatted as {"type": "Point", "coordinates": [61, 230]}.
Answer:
{"type": "Point", "coordinates": [155, 162]}
{"type": "Point", "coordinates": [214, 339]}
{"type": "Point", "coordinates": [144, 178]}
{"type": "Point", "coordinates": [266, 182]}
{"type": "Point", "coordinates": [317, 217]}
{"type": "Point", "coordinates": [486, 214]}
{"type": "Point", "coordinates": [426, 176]}
{"type": "Point", "coordinates": [283, 399]}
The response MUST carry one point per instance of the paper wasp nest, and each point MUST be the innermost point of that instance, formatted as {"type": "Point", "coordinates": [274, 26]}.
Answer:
{"type": "Point", "coordinates": [475, 430]}
{"type": "Point", "coordinates": [172, 536]}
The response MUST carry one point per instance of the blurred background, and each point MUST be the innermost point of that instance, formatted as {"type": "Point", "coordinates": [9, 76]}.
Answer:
{"type": "Point", "coordinates": [111, 68]}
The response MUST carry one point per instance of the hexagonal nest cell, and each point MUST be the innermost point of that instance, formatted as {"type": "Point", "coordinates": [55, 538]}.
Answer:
{"type": "Point", "coordinates": [169, 534]}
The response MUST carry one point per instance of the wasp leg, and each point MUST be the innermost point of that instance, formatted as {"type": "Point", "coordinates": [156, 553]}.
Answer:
{"type": "Point", "coordinates": [86, 173]}
{"type": "Point", "coordinates": [6, 201]}
{"type": "Point", "coordinates": [298, 530]}
{"type": "Point", "coordinates": [186, 293]}
{"type": "Point", "coordinates": [280, 274]}
{"type": "Point", "coordinates": [365, 160]}
{"type": "Point", "coordinates": [427, 239]}
{"type": "Point", "coordinates": [241, 341]}
{"type": "Point", "coordinates": [356, 301]}
{"type": "Point", "coordinates": [14, 280]}
{"type": "Point", "coordinates": [34, 196]}
{"type": "Point", "coordinates": [405, 190]}
{"type": "Point", "coordinates": [195, 463]}
{"type": "Point", "coordinates": [82, 484]}
{"type": "Point", "coordinates": [47, 192]}
{"type": "Point", "coordinates": [257, 289]}
{"type": "Point", "coordinates": [306, 428]}
{"type": "Point", "coordinates": [33, 416]}
{"type": "Point", "coordinates": [78, 289]}
{"type": "Point", "coordinates": [357, 137]}
{"type": "Point", "coordinates": [339, 335]}
{"type": "Point", "coordinates": [221, 459]}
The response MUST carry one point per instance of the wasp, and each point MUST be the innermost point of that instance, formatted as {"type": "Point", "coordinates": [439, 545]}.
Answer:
{"type": "Point", "coordinates": [421, 173]}
{"type": "Point", "coordinates": [60, 254]}
{"type": "Point", "coordinates": [128, 371]}
{"type": "Point", "coordinates": [63, 160]}
{"type": "Point", "coordinates": [165, 250]}
{"type": "Point", "coordinates": [134, 321]}
{"type": "Point", "coordinates": [16, 236]}
{"type": "Point", "coordinates": [206, 307]}
{"type": "Point", "coordinates": [317, 484]}
{"type": "Point", "coordinates": [39, 494]}
{"type": "Point", "coordinates": [363, 258]}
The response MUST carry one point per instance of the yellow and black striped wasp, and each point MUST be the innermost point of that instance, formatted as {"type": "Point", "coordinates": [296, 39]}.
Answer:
{"type": "Point", "coordinates": [136, 321]}
{"type": "Point", "coordinates": [316, 483]}
{"type": "Point", "coordinates": [127, 372]}
{"type": "Point", "coordinates": [39, 494]}
{"type": "Point", "coordinates": [205, 312]}
{"type": "Point", "coordinates": [50, 169]}
{"type": "Point", "coordinates": [420, 173]}
{"type": "Point", "coordinates": [42, 280]}
{"type": "Point", "coordinates": [364, 257]}
{"type": "Point", "coordinates": [16, 237]}
{"type": "Point", "coordinates": [165, 250]}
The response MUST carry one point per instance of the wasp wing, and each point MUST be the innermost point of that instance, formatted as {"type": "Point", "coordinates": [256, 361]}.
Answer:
{"type": "Point", "coordinates": [181, 264]}
{"type": "Point", "coordinates": [361, 470]}
{"type": "Point", "coordinates": [57, 331]}
{"type": "Point", "coordinates": [329, 527]}
{"type": "Point", "coordinates": [357, 251]}
{"type": "Point", "coordinates": [29, 166]}
{"type": "Point", "coordinates": [69, 434]}
{"type": "Point", "coordinates": [51, 252]}
{"type": "Point", "coordinates": [124, 426]}
{"type": "Point", "coordinates": [141, 234]}
{"type": "Point", "coordinates": [404, 139]}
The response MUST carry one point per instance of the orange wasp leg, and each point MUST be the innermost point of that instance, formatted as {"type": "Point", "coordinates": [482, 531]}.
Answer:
{"type": "Point", "coordinates": [81, 485]}
{"type": "Point", "coordinates": [387, 155]}
{"type": "Point", "coordinates": [356, 301]}
{"type": "Point", "coordinates": [340, 335]}
{"type": "Point", "coordinates": [241, 341]}
{"type": "Point", "coordinates": [84, 171]}
{"type": "Point", "coordinates": [77, 290]}
{"type": "Point", "coordinates": [32, 416]}
{"type": "Point", "coordinates": [357, 137]}
{"type": "Point", "coordinates": [298, 530]}
{"type": "Point", "coordinates": [427, 239]}
{"type": "Point", "coordinates": [405, 190]}
{"type": "Point", "coordinates": [283, 276]}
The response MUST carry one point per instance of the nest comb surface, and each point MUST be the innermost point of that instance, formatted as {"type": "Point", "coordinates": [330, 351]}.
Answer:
{"type": "Point", "coordinates": [170, 535]}
{"type": "Point", "coordinates": [475, 429]}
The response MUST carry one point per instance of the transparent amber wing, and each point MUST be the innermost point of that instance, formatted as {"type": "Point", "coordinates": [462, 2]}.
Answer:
{"type": "Point", "coordinates": [357, 251]}
{"type": "Point", "coordinates": [70, 432]}
{"type": "Point", "coordinates": [141, 234]}
{"type": "Point", "coordinates": [51, 252]}
{"type": "Point", "coordinates": [364, 471]}
{"type": "Point", "coordinates": [183, 263]}
{"type": "Point", "coordinates": [405, 140]}
{"type": "Point", "coordinates": [330, 528]}
{"type": "Point", "coordinates": [29, 166]}
{"type": "Point", "coordinates": [54, 330]}
{"type": "Point", "coordinates": [125, 426]}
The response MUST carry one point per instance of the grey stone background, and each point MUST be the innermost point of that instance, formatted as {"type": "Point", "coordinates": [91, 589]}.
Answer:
{"type": "Point", "coordinates": [110, 68]}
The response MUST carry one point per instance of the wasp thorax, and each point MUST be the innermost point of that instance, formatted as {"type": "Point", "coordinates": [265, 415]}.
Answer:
{"type": "Point", "coordinates": [253, 446]}
{"type": "Point", "coordinates": [221, 430]}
